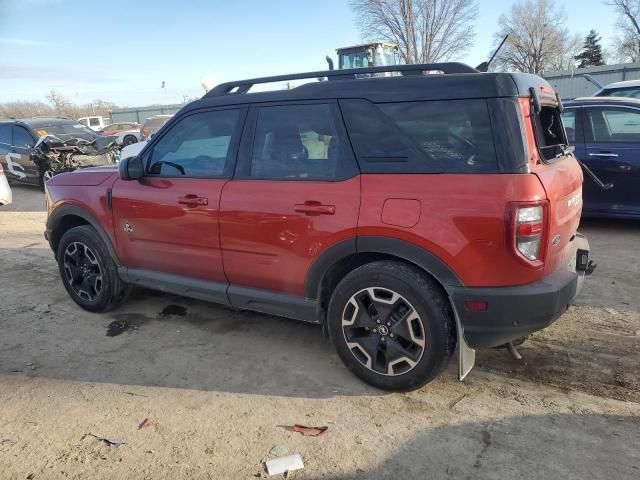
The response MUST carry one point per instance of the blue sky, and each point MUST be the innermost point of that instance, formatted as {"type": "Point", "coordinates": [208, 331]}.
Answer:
{"type": "Point", "coordinates": [121, 51]}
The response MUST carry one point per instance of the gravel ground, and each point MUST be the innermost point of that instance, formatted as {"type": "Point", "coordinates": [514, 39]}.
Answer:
{"type": "Point", "coordinates": [221, 387]}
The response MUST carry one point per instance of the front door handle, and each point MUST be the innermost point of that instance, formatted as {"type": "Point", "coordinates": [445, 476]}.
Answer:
{"type": "Point", "coordinates": [193, 200]}
{"type": "Point", "coordinates": [312, 207]}
{"type": "Point", "coordinates": [608, 155]}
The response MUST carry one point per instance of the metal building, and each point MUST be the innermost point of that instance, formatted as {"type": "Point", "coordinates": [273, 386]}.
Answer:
{"type": "Point", "coordinates": [571, 83]}
{"type": "Point", "coordinates": [141, 113]}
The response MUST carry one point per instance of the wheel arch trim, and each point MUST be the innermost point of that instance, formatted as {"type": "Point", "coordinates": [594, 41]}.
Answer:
{"type": "Point", "coordinates": [59, 213]}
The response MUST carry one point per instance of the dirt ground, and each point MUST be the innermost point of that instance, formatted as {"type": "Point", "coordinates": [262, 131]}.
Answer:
{"type": "Point", "coordinates": [222, 387]}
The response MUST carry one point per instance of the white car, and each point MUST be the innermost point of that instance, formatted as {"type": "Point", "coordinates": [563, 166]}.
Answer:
{"type": "Point", "coordinates": [132, 150]}
{"type": "Point", "coordinates": [5, 190]}
{"type": "Point", "coordinates": [94, 123]}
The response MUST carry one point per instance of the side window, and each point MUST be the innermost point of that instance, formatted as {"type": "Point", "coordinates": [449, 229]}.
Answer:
{"type": "Point", "coordinates": [94, 122]}
{"type": "Point", "coordinates": [84, 121]}
{"type": "Point", "coordinates": [299, 142]}
{"type": "Point", "coordinates": [196, 146]}
{"type": "Point", "coordinates": [22, 138]}
{"type": "Point", "coordinates": [422, 137]}
{"type": "Point", "coordinates": [5, 133]}
{"type": "Point", "coordinates": [614, 125]}
{"type": "Point", "coordinates": [569, 122]}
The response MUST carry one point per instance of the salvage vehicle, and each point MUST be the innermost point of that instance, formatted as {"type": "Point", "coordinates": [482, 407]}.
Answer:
{"type": "Point", "coordinates": [6, 197]}
{"type": "Point", "coordinates": [606, 136]}
{"type": "Point", "coordinates": [70, 145]}
{"type": "Point", "coordinates": [127, 133]}
{"type": "Point", "coordinates": [408, 214]}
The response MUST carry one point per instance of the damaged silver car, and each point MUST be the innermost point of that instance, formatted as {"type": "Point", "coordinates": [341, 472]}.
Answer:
{"type": "Point", "coordinates": [34, 150]}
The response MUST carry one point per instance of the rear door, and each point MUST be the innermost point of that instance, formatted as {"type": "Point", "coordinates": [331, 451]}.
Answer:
{"type": "Point", "coordinates": [167, 222]}
{"type": "Point", "coordinates": [296, 192]}
{"type": "Point", "coordinates": [612, 138]}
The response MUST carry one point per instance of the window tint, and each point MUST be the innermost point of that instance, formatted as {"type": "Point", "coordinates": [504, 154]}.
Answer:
{"type": "Point", "coordinates": [5, 133]}
{"type": "Point", "coordinates": [21, 137]}
{"type": "Point", "coordinates": [613, 125]}
{"type": "Point", "coordinates": [94, 122]}
{"type": "Point", "coordinates": [437, 136]}
{"type": "Point", "coordinates": [569, 121]}
{"type": "Point", "coordinates": [297, 141]}
{"type": "Point", "coordinates": [196, 146]}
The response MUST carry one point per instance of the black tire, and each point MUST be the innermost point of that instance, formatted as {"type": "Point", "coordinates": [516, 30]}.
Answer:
{"type": "Point", "coordinates": [129, 140]}
{"type": "Point", "coordinates": [418, 296]}
{"type": "Point", "coordinates": [94, 275]}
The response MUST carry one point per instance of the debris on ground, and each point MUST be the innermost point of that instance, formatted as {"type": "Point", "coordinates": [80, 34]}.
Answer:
{"type": "Point", "coordinates": [286, 464]}
{"type": "Point", "coordinates": [176, 310]}
{"type": "Point", "coordinates": [457, 401]}
{"type": "Point", "coordinates": [133, 394]}
{"type": "Point", "coordinates": [278, 449]}
{"type": "Point", "coordinates": [147, 422]}
{"type": "Point", "coordinates": [116, 327]}
{"type": "Point", "coordinates": [107, 441]}
{"type": "Point", "coordinates": [31, 476]}
{"type": "Point", "coordinates": [309, 431]}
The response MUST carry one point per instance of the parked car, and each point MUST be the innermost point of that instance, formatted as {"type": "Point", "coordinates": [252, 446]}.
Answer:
{"type": "Point", "coordinates": [606, 136]}
{"type": "Point", "coordinates": [407, 214]}
{"type": "Point", "coordinates": [126, 132]}
{"type": "Point", "coordinates": [6, 196]}
{"type": "Point", "coordinates": [18, 139]}
{"type": "Point", "coordinates": [132, 150]}
{"type": "Point", "coordinates": [94, 123]}
{"type": "Point", "coordinates": [628, 88]}
{"type": "Point", "coordinates": [152, 124]}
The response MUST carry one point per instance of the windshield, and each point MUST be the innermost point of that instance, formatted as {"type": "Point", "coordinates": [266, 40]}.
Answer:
{"type": "Point", "coordinates": [355, 60]}
{"type": "Point", "coordinates": [64, 129]}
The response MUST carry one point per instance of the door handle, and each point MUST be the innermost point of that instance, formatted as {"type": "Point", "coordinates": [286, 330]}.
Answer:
{"type": "Point", "coordinates": [193, 200]}
{"type": "Point", "coordinates": [315, 208]}
{"type": "Point", "coordinates": [608, 155]}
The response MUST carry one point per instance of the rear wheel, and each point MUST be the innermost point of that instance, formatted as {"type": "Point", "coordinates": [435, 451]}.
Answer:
{"type": "Point", "coordinates": [88, 272]}
{"type": "Point", "coordinates": [129, 140]}
{"type": "Point", "coordinates": [391, 325]}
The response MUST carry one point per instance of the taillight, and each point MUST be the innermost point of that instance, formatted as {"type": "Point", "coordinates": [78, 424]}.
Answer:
{"type": "Point", "coordinates": [527, 121]}
{"type": "Point", "coordinates": [527, 231]}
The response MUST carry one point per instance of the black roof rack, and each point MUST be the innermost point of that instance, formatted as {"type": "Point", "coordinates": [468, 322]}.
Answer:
{"type": "Point", "coordinates": [243, 86]}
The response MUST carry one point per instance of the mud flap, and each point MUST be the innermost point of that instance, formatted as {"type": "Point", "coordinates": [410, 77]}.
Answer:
{"type": "Point", "coordinates": [466, 354]}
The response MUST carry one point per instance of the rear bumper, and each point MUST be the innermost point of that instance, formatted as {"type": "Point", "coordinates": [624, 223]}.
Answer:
{"type": "Point", "coordinates": [513, 312]}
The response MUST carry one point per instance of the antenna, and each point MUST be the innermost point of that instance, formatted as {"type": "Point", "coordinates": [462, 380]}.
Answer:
{"type": "Point", "coordinates": [484, 66]}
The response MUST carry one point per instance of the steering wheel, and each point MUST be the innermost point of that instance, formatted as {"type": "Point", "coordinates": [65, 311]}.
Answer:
{"type": "Point", "coordinates": [180, 168]}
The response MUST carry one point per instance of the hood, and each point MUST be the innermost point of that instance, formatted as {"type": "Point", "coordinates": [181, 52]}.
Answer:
{"type": "Point", "coordinates": [88, 177]}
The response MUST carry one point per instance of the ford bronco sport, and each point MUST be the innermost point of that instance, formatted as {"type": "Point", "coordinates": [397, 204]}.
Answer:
{"type": "Point", "coordinates": [409, 214]}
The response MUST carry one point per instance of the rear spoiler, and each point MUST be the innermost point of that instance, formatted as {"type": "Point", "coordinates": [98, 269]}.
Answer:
{"type": "Point", "coordinates": [545, 95]}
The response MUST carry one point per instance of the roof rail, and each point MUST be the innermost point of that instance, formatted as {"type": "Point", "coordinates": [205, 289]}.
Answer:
{"type": "Point", "coordinates": [243, 86]}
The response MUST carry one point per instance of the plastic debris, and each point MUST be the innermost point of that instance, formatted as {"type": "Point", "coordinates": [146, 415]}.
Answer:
{"type": "Point", "coordinates": [286, 464]}
{"type": "Point", "coordinates": [309, 431]}
{"type": "Point", "coordinates": [278, 449]}
{"type": "Point", "coordinates": [147, 422]}
{"type": "Point", "coordinates": [106, 441]}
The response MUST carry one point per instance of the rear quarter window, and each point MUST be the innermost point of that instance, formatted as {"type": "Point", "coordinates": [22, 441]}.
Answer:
{"type": "Point", "coordinates": [5, 133]}
{"type": "Point", "coordinates": [453, 136]}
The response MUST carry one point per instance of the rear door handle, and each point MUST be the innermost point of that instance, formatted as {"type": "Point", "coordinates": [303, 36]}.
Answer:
{"type": "Point", "coordinates": [608, 155]}
{"type": "Point", "coordinates": [193, 200]}
{"type": "Point", "coordinates": [315, 208]}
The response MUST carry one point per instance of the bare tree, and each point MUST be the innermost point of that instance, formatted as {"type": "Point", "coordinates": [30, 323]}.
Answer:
{"type": "Point", "coordinates": [627, 43]}
{"type": "Point", "coordinates": [59, 106]}
{"type": "Point", "coordinates": [426, 31]}
{"type": "Point", "coordinates": [538, 40]}
{"type": "Point", "coordinates": [59, 102]}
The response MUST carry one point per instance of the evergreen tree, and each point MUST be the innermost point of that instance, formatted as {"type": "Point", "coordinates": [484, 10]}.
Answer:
{"type": "Point", "coordinates": [591, 55]}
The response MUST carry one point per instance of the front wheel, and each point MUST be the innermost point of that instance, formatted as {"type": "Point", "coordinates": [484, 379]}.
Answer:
{"type": "Point", "coordinates": [129, 140]}
{"type": "Point", "coordinates": [391, 325]}
{"type": "Point", "coordinates": [88, 272]}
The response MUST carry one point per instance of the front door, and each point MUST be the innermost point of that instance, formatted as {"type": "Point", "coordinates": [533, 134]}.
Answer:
{"type": "Point", "coordinates": [612, 152]}
{"type": "Point", "coordinates": [167, 222]}
{"type": "Point", "coordinates": [19, 165]}
{"type": "Point", "coordinates": [296, 192]}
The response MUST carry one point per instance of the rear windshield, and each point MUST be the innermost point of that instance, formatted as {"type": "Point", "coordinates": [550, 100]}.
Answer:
{"type": "Point", "coordinates": [629, 92]}
{"type": "Point", "coordinates": [550, 134]}
{"type": "Point", "coordinates": [155, 122]}
{"type": "Point", "coordinates": [453, 136]}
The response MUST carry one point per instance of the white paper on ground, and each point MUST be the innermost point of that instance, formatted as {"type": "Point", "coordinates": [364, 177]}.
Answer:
{"type": "Point", "coordinates": [284, 464]}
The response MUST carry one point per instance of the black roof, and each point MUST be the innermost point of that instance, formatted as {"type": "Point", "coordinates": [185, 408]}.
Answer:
{"type": "Point", "coordinates": [37, 122]}
{"type": "Point", "coordinates": [412, 85]}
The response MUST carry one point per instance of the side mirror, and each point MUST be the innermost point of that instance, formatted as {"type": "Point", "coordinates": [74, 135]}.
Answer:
{"type": "Point", "coordinates": [131, 168]}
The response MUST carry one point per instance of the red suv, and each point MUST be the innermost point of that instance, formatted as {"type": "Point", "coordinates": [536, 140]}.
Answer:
{"type": "Point", "coordinates": [408, 214]}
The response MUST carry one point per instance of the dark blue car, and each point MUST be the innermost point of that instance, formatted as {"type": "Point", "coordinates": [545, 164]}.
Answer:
{"type": "Point", "coordinates": [606, 134]}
